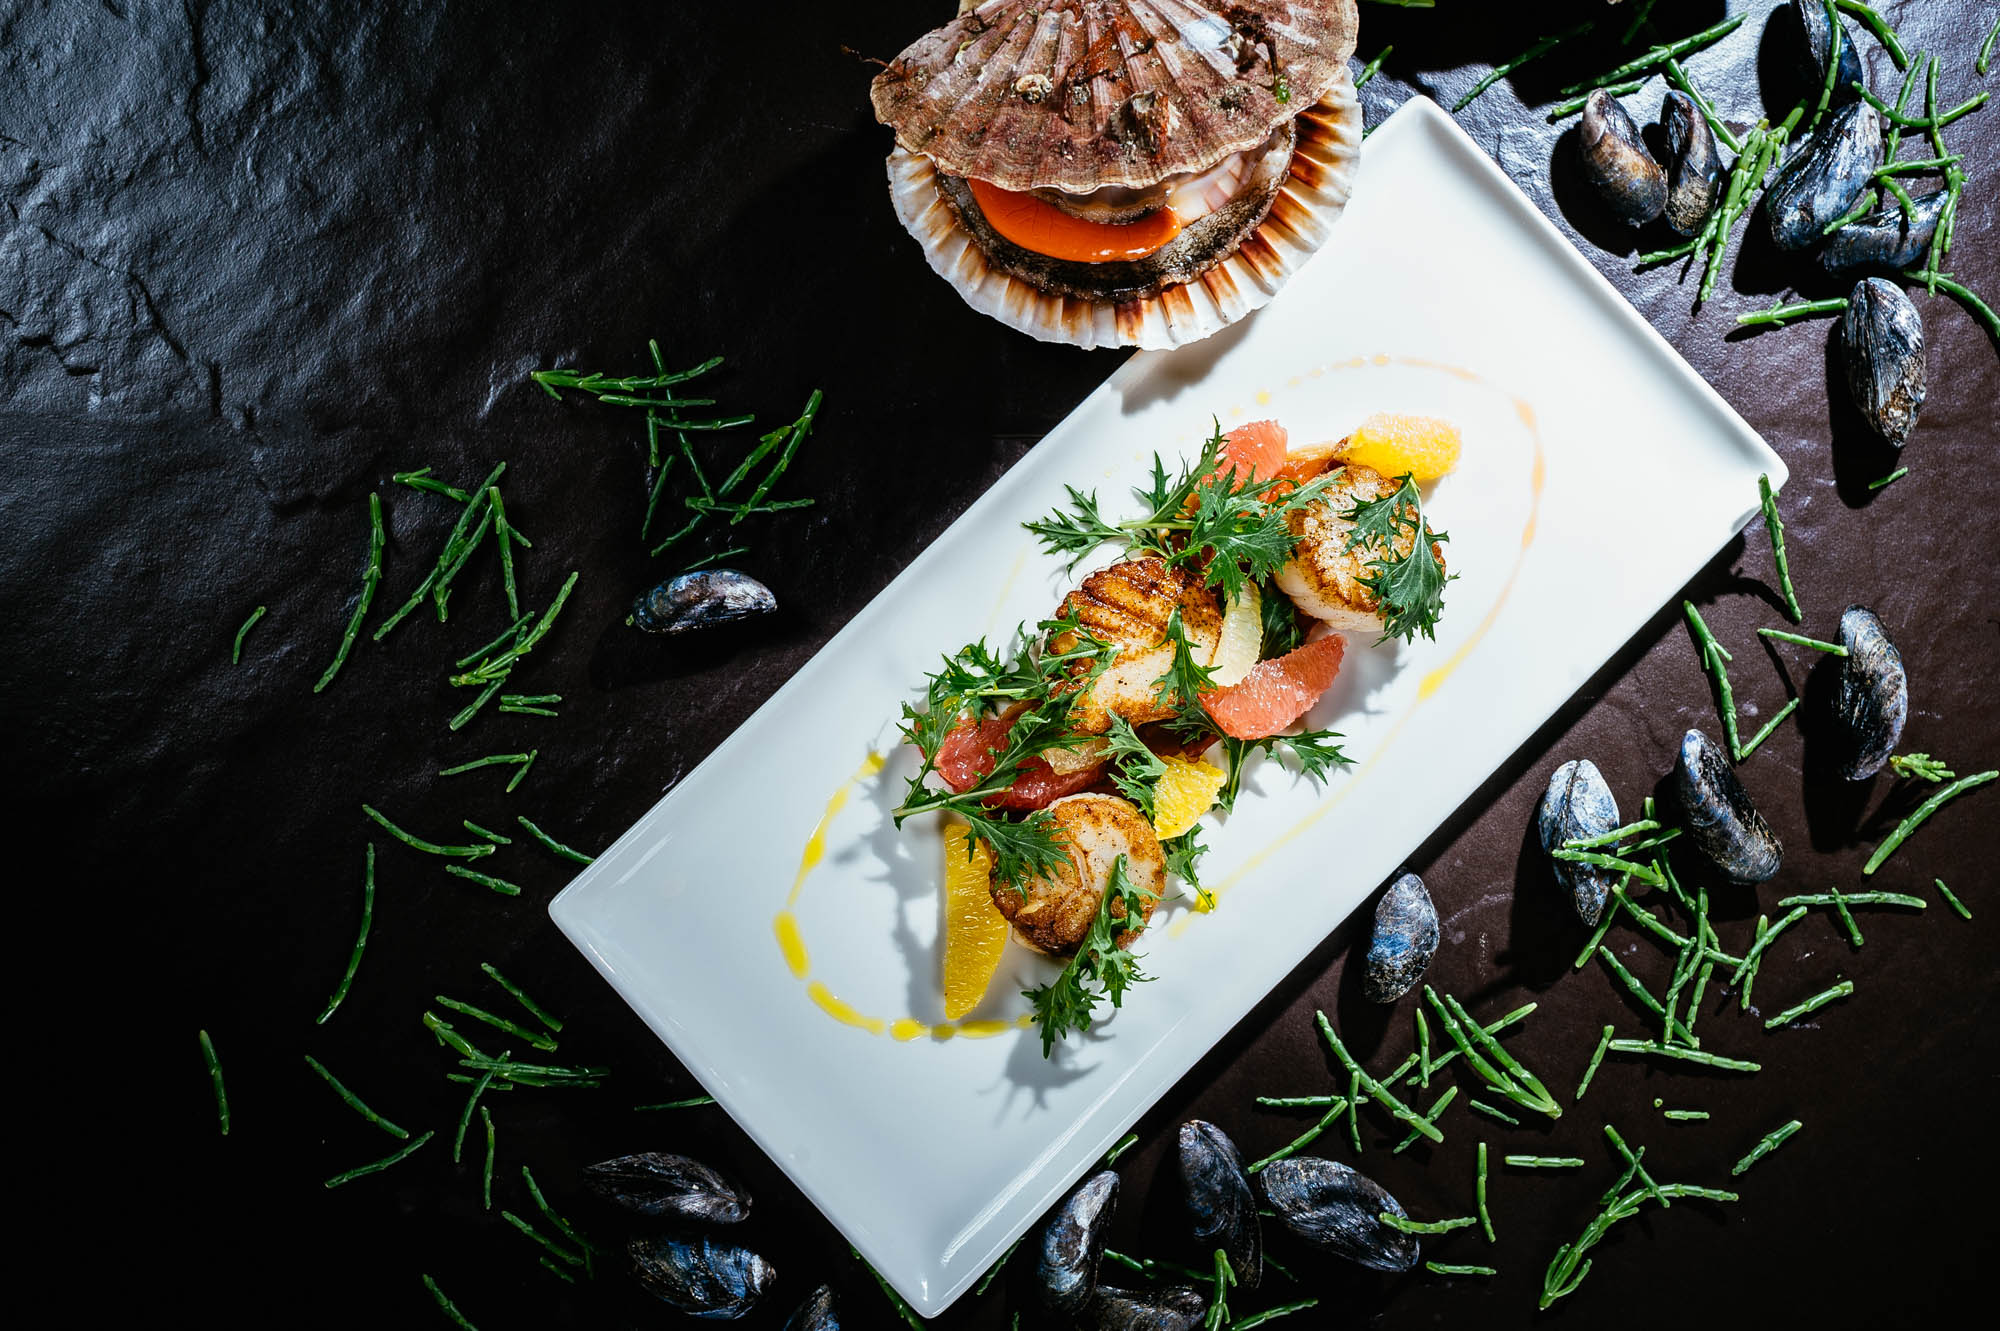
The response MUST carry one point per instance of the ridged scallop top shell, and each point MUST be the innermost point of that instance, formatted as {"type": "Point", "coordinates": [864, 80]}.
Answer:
{"type": "Point", "coordinates": [1079, 94]}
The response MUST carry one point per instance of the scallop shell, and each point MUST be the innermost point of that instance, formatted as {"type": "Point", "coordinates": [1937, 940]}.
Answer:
{"type": "Point", "coordinates": [1308, 203]}
{"type": "Point", "coordinates": [1079, 94]}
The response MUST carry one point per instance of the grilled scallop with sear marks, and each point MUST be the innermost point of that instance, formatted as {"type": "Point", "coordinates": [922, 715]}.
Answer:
{"type": "Point", "coordinates": [1054, 913]}
{"type": "Point", "coordinates": [1128, 605]}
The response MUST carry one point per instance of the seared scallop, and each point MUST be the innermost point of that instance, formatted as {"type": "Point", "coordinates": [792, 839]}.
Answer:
{"type": "Point", "coordinates": [1055, 912]}
{"type": "Point", "coordinates": [1128, 605]}
{"type": "Point", "coordinates": [1324, 576]}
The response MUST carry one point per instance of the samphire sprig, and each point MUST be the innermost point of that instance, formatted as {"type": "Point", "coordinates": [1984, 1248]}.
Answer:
{"type": "Point", "coordinates": [1409, 584]}
{"type": "Point", "coordinates": [1487, 1056]}
{"type": "Point", "coordinates": [498, 659]}
{"type": "Point", "coordinates": [1656, 56]}
{"type": "Point", "coordinates": [1775, 525]}
{"type": "Point", "coordinates": [600, 385]}
{"type": "Point", "coordinates": [1043, 684]}
{"type": "Point", "coordinates": [1101, 968]}
{"type": "Point", "coordinates": [1920, 766]}
{"type": "Point", "coordinates": [1232, 528]}
{"type": "Point", "coordinates": [1569, 1266]}
{"type": "Point", "coordinates": [668, 413]}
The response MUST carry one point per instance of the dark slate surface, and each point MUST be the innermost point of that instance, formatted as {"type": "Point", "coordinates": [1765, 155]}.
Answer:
{"type": "Point", "coordinates": [257, 257]}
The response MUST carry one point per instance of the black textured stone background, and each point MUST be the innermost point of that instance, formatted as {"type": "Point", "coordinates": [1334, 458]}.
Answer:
{"type": "Point", "coordinates": [255, 258]}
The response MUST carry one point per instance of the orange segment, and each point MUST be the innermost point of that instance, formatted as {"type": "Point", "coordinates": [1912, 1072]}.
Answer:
{"type": "Point", "coordinates": [1183, 795]}
{"type": "Point", "coordinates": [1046, 229]}
{"type": "Point", "coordinates": [975, 932]}
{"type": "Point", "coordinates": [1392, 444]}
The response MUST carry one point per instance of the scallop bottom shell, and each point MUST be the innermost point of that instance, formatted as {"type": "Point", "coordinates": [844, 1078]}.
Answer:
{"type": "Point", "coordinates": [1308, 203]}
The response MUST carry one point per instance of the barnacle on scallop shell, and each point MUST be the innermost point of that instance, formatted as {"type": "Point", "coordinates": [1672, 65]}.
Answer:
{"type": "Point", "coordinates": [1077, 95]}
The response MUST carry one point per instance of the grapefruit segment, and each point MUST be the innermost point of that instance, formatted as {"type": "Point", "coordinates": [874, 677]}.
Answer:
{"type": "Point", "coordinates": [1276, 692]}
{"type": "Point", "coordinates": [966, 754]}
{"type": "Point", "coordinates": [1038, 785]}
{"type": "Point", "coordinates": [965, 757]}
{"type": "Point", "coordinates": [1255, 450]}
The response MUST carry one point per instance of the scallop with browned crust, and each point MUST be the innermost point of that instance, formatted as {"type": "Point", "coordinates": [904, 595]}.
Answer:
{"type": "Point", "coordinates": [1324, 577]}
{"type": "Point", "coordinates": [1128, 605]}
{"type": "Point", "coordinates": [1054, 913]}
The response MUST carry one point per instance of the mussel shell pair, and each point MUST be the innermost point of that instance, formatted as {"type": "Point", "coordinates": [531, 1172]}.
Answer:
{"type": "Point", "coordinates": [1628, 178]}
{"type": "Point", "coordinates": [1404, 941]}
{"type": "Point", "coordinates": [1882, 347]}
{"type": "Point", "coordinates": [1872, 698]}
{"type": "Point", "coordinates": [1819, 185]}
{"type": "Point", "coordinates": [1577, 805]}
{"type": "Point", "coordinates": [701, 600]}
{"type": "Point", "coordinates": [1721, 820]}
{"type": "Point", "coordinates": [702, 1277]}
{"type": "Point", "coordinates": [1337, 1208]}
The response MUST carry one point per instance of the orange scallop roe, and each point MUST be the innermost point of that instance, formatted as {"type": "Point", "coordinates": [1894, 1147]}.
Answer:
{"type": "Point", "coordinates": [1392, 444]}
{"type": "Point", "coordinates": [1044, 228]}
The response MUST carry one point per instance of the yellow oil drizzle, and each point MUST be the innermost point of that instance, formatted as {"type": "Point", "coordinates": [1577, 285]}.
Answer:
{"type": "Point", "coordinates": [815, 850]}
{"type": "Point", "coordinates": [986, 1030]}
{"type": "Point", "coordinates": [838, 1008]}
{"type": "Point", "coordinates": [1537, 476]}
{"type": "Point", "coordinates": [791, 943]}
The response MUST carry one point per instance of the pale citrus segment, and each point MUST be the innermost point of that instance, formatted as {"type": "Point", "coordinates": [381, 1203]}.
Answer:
{"type": "Point", "coordinates": [1241, 638]}
{"type": "Point", "coordinates": [1393, 444]}
{"type": "Point", "coordinates": [1183, 795]}
{"type": "Point", "coordinates": [975, 932]}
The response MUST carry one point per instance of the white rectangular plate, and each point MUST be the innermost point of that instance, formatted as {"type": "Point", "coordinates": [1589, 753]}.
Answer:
{"type": "Point", "coordinates": [1600, 473]}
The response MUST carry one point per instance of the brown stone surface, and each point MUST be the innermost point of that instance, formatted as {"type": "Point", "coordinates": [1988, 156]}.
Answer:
{"type": "Point", "coordinates": [256, 260]}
